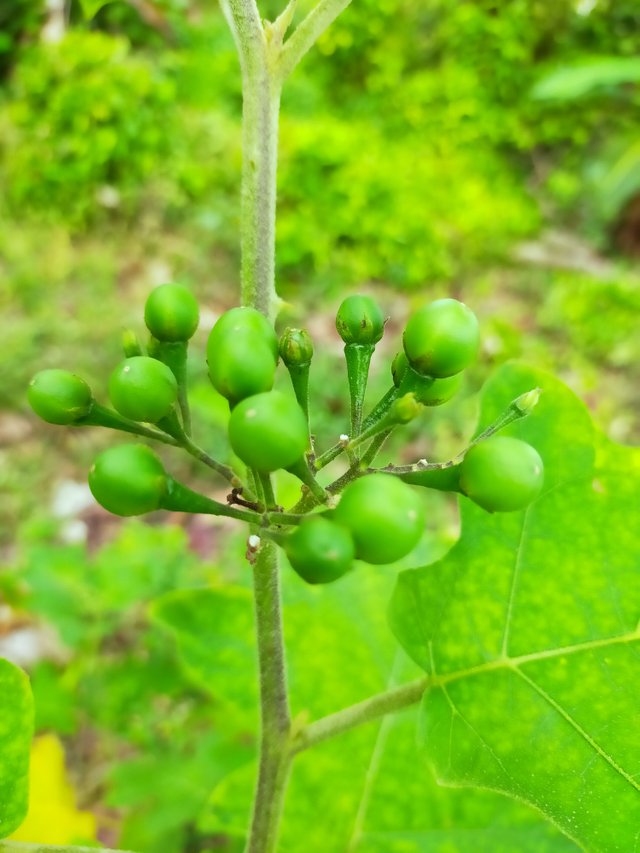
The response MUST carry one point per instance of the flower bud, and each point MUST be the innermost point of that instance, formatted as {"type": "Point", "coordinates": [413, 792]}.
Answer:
{"type": "Point", "coordinates": [360, 320]}
{"type": "Point", "coordinates": [295, 347]}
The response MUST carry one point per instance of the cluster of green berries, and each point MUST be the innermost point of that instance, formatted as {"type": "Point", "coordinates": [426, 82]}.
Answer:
{"type": "Point", "coordinates": [378, 516]}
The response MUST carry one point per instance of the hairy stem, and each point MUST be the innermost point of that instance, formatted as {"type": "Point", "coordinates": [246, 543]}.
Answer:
{"type": "Point", "coordinates": [364, 712]}
{"type": "Point", "coordinates": [261, 105]}
{"type": "Point", "coordinates": [275, 756]}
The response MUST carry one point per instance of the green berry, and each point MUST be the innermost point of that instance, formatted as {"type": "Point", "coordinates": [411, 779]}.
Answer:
{"type": "Point", "coordinates": [59, 397]}
{"type": "Point", "coordinates": [268, 431]}
{"type": "Point", "coordinates": [441, 338]}
{"type": "Point", "coordinates": [296, 347]}
{"type": "Point", "coordinates": [128, 480]}
{"type": "Point", "coordinates": [171, 313]}
{"type": "Point", "coordinates": [360, 320]}
{"type": "Point", "coordinates": [240, 319]}
{"type": "Point", "coordinates": [384, 516]}
{"type": "Point", "coordinates": [502, 474]}
{"type": "Point", "coordinates": [143, 389]}
{"type": "Point", "coordinates": [241, 364]}
{"type": "Point", "coordinates": [320, 551]}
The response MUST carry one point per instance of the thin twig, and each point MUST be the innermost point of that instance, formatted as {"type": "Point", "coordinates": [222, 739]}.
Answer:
{"type": "Point", "coordinates": [307, 33]}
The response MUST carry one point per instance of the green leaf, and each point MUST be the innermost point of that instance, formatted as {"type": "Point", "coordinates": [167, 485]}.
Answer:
{"type": "Point", "coordinates": [577, 81]}
{"type": "Point", "coordinates": [90, 8]}
{"type": "Point", "coordinates": [529, 630]}
{"type": "Point", "coordinates": [16, 724]}
{"type": "Point", "coordinates": [340, 650]}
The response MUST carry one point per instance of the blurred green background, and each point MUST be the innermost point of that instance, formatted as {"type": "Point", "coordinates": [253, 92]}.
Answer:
{"type": "Point", "coordinates": [484, 149]}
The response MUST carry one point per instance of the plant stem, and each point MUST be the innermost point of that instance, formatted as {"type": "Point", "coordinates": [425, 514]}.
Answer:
{"type": "Point", "coordinates": [275, 755]}
{"type": "Point", "coordinates": [308, 32]}
{"type": "Point", "coordinates": [364, 712]}
{"type": "Point", "coordinates": [202, 456]}
{"type": "Point", "coordinates": [261, 104]}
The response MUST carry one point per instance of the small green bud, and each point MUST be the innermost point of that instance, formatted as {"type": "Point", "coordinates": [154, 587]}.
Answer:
{"type": "Point", "coordinates": [296, 347]}
{"type": "Point", "coordinates": [405, 409]}
{"type": "Point", "coordinates": [360, 320]}
{"type": "Point", "coordinates": [130, 344]}
{"type": "Point", "coordinates": [526, 403]}
{"type": "Point", "coordinates": [59, 396]}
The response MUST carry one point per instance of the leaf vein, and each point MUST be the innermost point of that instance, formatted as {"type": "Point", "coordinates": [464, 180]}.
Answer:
{"type": "Point", "coordinates": [567, 716]}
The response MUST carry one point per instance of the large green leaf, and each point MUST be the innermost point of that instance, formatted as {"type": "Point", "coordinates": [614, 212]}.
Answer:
{"type": "Point", "coordinates": [529, 630]}
{"type": "Point", "coordinates": [16, 724]}
{"type": "Point", "coordinates": [362, 792]}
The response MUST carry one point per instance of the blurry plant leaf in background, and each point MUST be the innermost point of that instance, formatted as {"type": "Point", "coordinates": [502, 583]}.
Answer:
{"type": "Point", "coordinates": [586, 78]}
{"type": "Point", "coordinates": [53, 816]}
{"type": "Point", "coordinates": [16, 718]}
{"type": "Point", "coordinates": [529, 627]}
{"type": "Point", "coordinates": [619, 180]}
{"type": "Point", "coordinates": [90, 8]}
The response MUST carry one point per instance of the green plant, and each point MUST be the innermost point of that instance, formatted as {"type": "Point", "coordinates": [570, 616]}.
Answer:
{"type": "Point", "coordinates": [507, 694]}
{"type": "Point", "coordinates": [103, 114]}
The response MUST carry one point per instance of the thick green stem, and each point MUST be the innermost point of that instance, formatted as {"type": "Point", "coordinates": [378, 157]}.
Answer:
{"type": "Point", "coordinates": [275, 755]}
{"type": "Point", "coordinates": [261, 104]}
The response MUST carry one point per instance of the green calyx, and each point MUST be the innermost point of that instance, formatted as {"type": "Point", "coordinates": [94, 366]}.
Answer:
{"type": "Point", "coordinates": [360, 320]}
{"type": "Point", "coordinates": [59, 396]}
{"type": "Point", "coordinates": [171, 313]}
{"type": "Point", "coordinates": [427, 390]}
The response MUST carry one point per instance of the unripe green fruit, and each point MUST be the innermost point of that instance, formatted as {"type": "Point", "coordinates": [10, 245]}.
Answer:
{"type": "Point", "coordinates": [59, 397]}
{"type": "Point", "coordinates": [384, 516]}
{"type": "Point", "coordinates": [502, 474]}
{"type": "Point", "coordinates": [143, 389]}
{"type": "Point", "coordinates": [128, 480]}
{"type": "Point", "coordinates": [171, 313]}
{"type": "Point", "coordinates": [441, 338]}
{"type": "Point", "coordinates": [320, 551]}
{"type": "Point", "coordinates": [240, 319]}
{"type": "Point", "coordinates": [360, 320]}
{"type": "Point", "coordinates": [429, 392]}
{"type": "Point", "coordinates": [241, 363]}
{"type": "Point", "coordinates": [296, 347]}
{"type": "Point", "coordinates": [268, 431]}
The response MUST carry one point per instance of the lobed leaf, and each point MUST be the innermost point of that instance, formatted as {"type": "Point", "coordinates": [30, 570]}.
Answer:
{"type": "Point", "coordinates": [529, 631]}
{"type": "Point", "coordinates": [363, 792]}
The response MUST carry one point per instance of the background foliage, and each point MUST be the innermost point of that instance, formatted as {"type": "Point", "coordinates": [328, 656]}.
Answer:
{"type": "Point", "coordinates": [487, 150]}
